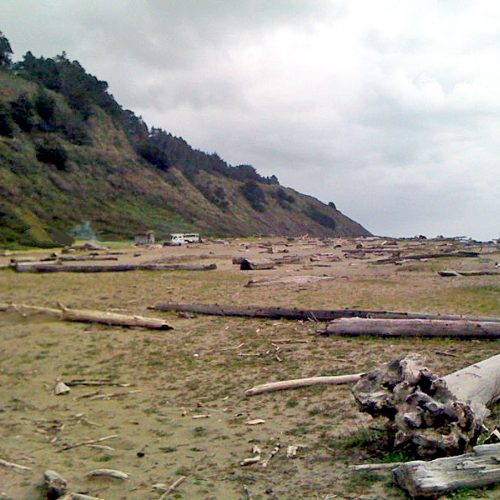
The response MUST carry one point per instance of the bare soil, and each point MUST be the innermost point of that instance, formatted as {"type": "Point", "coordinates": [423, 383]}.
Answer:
{"type": "Point", "coordinates": [185, 412]}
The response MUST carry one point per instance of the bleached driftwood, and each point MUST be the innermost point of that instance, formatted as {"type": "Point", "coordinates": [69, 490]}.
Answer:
{"type": "Point", "coordinates": [302, 382]}
{"type": "Point", "coordinates": [288, 280]}
{"type": "Point", "coordinates": [384, 466]}
{"type": "Point", "coordinates": [451, 272]}
{"type": "Point", "coordinates": [459, 253]}
{"type": "Point", "coordinates": [440, 476]}
{"type": "Point", "coordinates": [116, 474]}
{"type": "Point", "coordinates": [302, 314]}
{"type": "Point", "coordinates": [273, 452]}
{"type": "Point", "coordinates": [97, 268]}
{"type": "Point", "coordinates": [86, 443]}
{"type": "Point", "coordinates": [90, 316]}
{"type": "Point", "coordinates": [172, 487]}
{"type": "Point", "coordinates": [11, 465]}
{"type": "Point", "coordinates": [107, 318]}
{"type": "Point", "coordinates": [414, 328]}
{"type": "Point", "coordinates": [434, 416]}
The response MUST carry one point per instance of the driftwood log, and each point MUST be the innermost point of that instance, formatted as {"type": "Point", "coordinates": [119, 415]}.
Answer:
{"type": "Point", "coordinates": [288, 280]}
{"type": "Point", "coordinates": [434, 416]}
{"type": "Point", "coordinates": [302, 382]}
{"type": "Point", "coordinates": [299, 314]}
{"type": "Point", "coordinates": [250, 265]}
{"type": "Point", "coordinates": [440, 476]}
{"type": "Point", "coordinates": [460, 253]}
{"type": "Point", "coordinates": [462, 329]}
{"type": "Point", "coordinates": [90, 316]}
{"type": "Point", "coordinates": [451, 272]}
{"type": "Point", "coordinates": [81, 268]}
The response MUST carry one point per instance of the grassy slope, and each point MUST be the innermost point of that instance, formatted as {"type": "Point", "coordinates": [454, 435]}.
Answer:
{"type": "Point", "coordinates": [120, 194]}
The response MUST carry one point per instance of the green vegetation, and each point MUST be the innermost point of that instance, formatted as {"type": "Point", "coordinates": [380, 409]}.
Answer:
{"type": "Point", "coordinates": [69, 153]}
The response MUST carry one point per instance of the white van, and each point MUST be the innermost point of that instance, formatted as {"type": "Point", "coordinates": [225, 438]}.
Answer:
{"type": "Point", "coordinates": [183, 238]}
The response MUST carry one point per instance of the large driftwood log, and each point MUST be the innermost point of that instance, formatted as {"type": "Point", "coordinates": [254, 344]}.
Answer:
{"type": "Point", "coordinates": [464, 329]}
{"type": "Point", "coordinates": [302, 382]}
{"type": "Point", "coordinates": [434, 416]}
{"type": "Point", "coordinates": [440, 476]}
{"type": "Point", "coordinates": [75, 268]}
{"type": "Point", "coordinates": [90, 316]}
{"type": "Point", "coordinates": [459, 253]}
{"type": "Point", "coordinates": [299, 314]}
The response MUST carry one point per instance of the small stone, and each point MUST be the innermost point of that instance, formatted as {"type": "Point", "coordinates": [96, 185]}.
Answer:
{"type": "Point", "coordinates": [61, 388]}
{"type": "Point", "coordinates": [140, 454]}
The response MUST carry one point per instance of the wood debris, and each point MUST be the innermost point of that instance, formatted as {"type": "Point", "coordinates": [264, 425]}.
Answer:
{"type": "Point", "coordinates": [115, 474]}
{"type": "Point", "coordinates": [85, 443]}
{"type": "Point", "coordinates": [274, 451]}
{"type": "Point", "coordinates": [89, 316]}
{"type": "Point", "coordinates": [303, 382]}
{"type": "Point", "coordinates": [11, 465]}
{"type": "Point", "coordinates": [440, 476]}
{"type": "Point", "coordinates": [434, 416]}
{"type": "Point", "coordinates": [463, 329]}
{"type": "Point", "coordinates": [302, 314]}
{"type": "Point", "coordinates": [256, 421]}
{"type": "Point", "coordinates": [173, 486]}
{"type": "Point", "coordinates": [116, 268]}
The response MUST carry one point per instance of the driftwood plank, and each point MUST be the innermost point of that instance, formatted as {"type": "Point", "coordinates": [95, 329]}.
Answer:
{"type": "Point", "coordinates": [440, 476]}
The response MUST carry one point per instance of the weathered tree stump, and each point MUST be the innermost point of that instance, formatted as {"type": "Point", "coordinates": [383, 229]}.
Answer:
{"type": "Point", "coordinates": [435, 416]}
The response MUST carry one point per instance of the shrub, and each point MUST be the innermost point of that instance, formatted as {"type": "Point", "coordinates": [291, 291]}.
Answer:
{"type": "Point", "coordinates": [22, 112]}
{"type": "Point", "coordinates": [254, 195]}
{"type": "Point", "coordinates": [320, 217]}
{"type": "Point", "coordinates": [53, 153]}
{"type": "Point", "coordinates": [5, 123]}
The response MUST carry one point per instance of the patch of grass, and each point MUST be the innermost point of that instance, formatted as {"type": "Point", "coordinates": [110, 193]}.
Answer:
{"type": "Point", "coordinates": [315, 410]}
{"type": "Point", "coordinates": [199, 431]}
{"type": "Point", "coordinates": [300, 430]}
{"type": "Point", "coordinates": [362, 479]}
{"type": "Point", "coordinates": [292, 403]}
{"type": "Point", "coordinates": [468, 493]}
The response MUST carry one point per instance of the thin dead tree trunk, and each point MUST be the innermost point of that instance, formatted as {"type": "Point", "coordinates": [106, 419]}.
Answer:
{"type": "Point", "coordinates": [302, 382]}
{"type": "Point", "coordinates": [435, 416]}
{"type": "Point", "coordinates": [299, 314]}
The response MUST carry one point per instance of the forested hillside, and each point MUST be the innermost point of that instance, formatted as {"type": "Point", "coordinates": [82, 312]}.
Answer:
{"type": "Point", "coordinates": [71, 155]}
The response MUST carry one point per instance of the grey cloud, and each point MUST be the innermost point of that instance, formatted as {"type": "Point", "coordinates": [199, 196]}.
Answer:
{"type": "Point", "coordinates": [390, 114]}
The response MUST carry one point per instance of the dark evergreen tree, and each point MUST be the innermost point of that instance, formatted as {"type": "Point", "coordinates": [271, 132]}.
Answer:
{"type": "Point", "coordinates": [5, 52]}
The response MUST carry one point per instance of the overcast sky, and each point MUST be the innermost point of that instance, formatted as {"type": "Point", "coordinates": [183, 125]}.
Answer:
{"type": "Point", "coordinates": [391, 109]}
